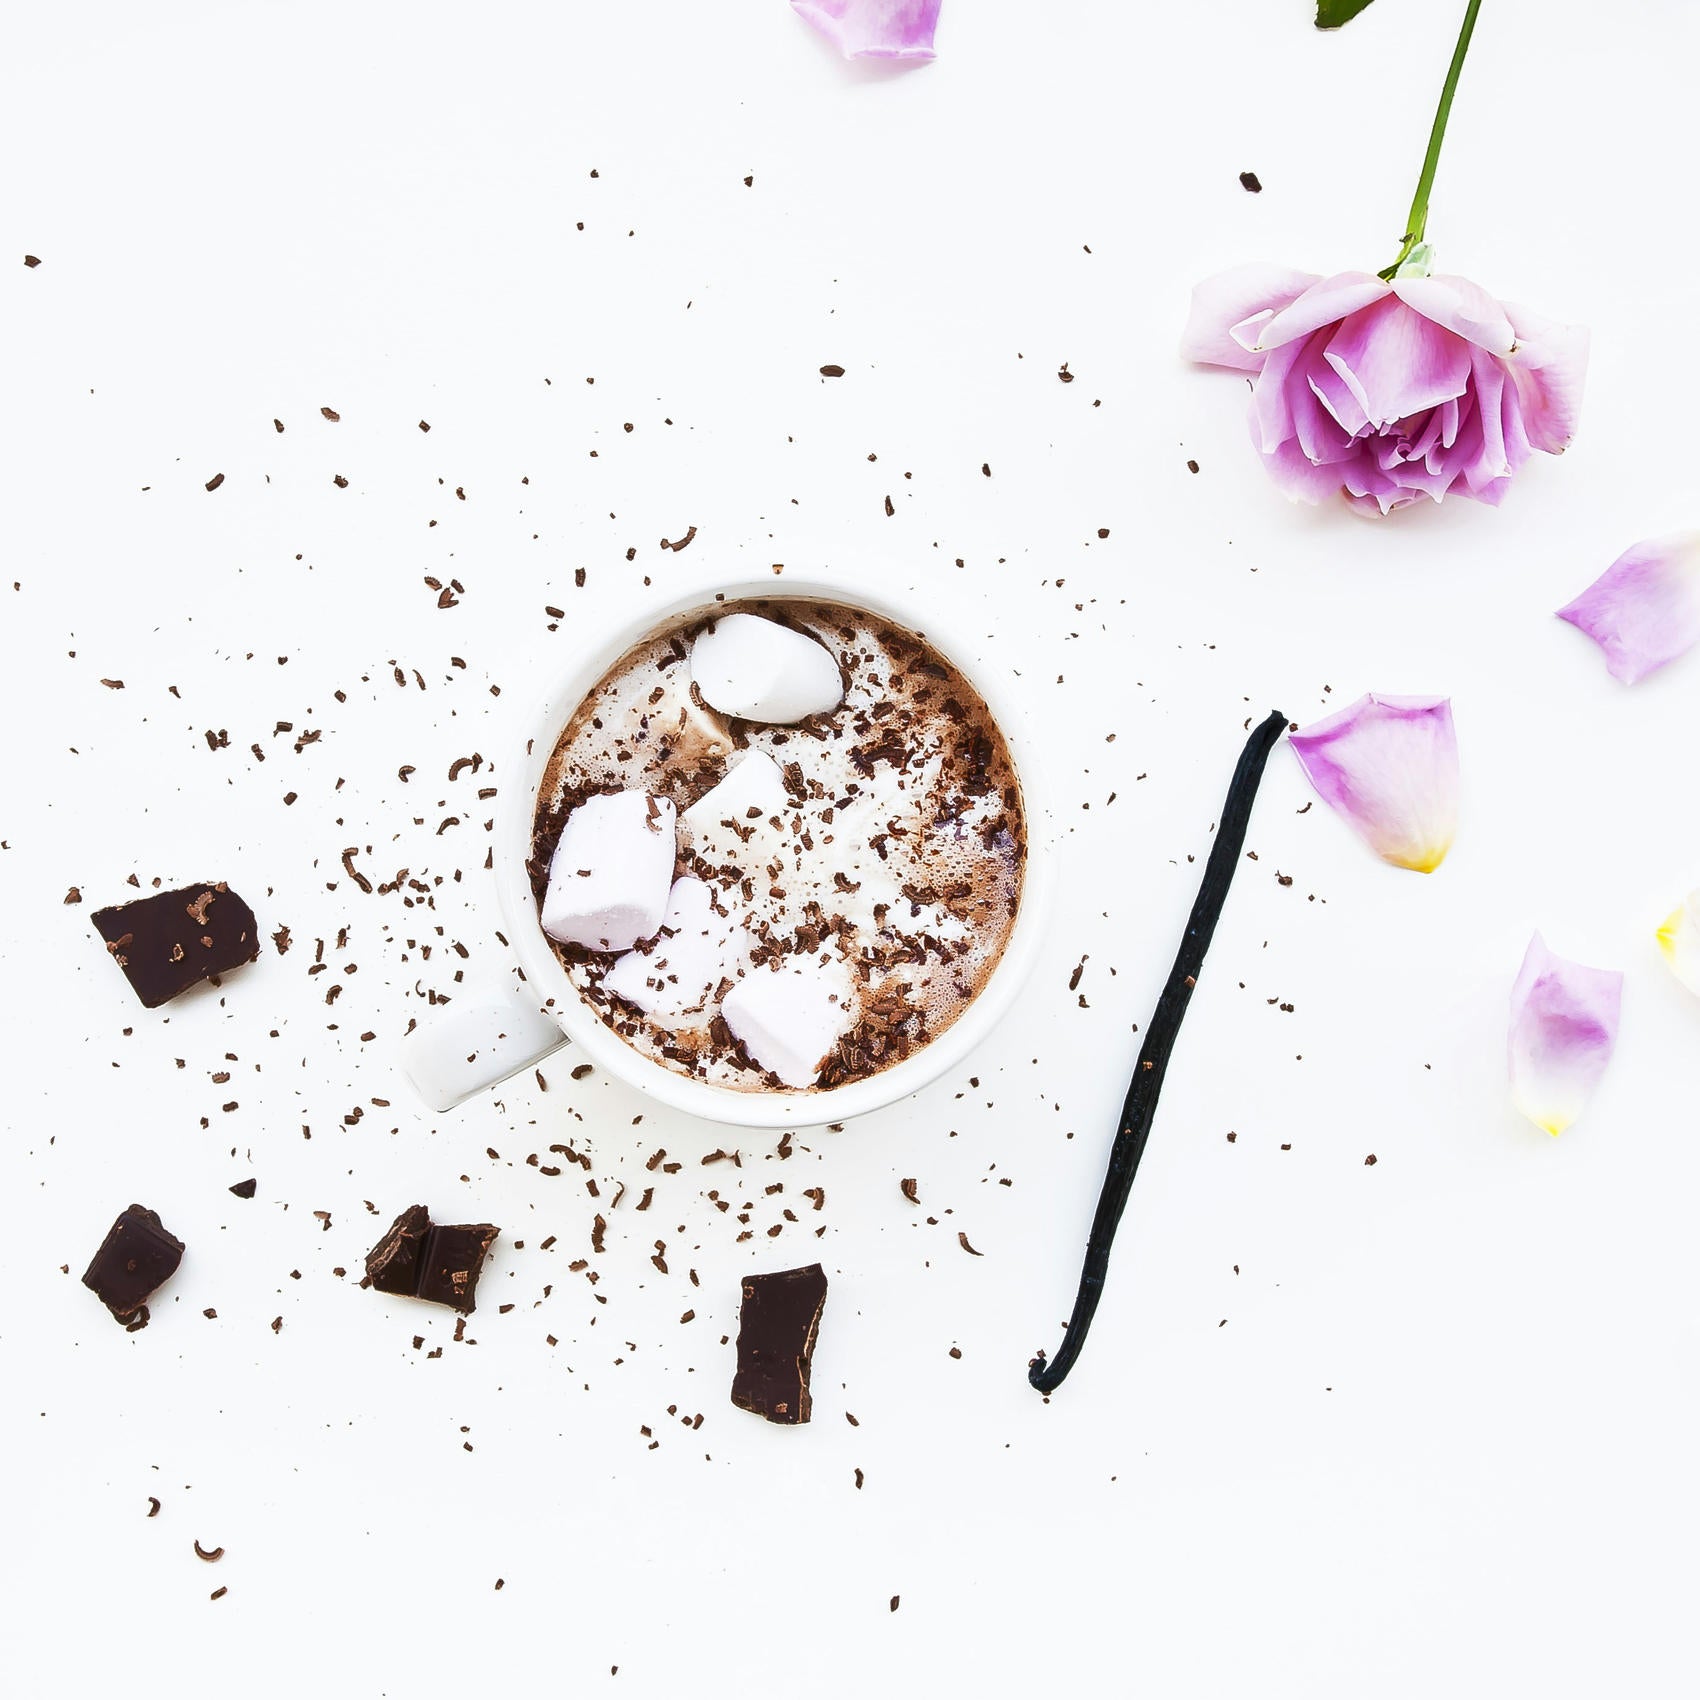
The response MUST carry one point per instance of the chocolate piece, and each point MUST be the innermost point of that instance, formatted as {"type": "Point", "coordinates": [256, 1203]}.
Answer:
{"type": "Point", "coordinates": [168, 942]}
{"type": "Point", "coordinates": [392, 1265]}
{"type": "Point", "coordinates": [776, 1336]}
{"type": "Point", "coordinates": [423, 1260]}
{"type": "Point", "coordinates": [451, 1263]}
{"type": "Point", "coordinates": [244, 1189]}
{"type": "Point", "coordinates": [137, 1257]}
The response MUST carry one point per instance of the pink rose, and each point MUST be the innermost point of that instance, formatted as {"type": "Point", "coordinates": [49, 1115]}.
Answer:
{"type": "Point", "coordinates": [1388, 392]}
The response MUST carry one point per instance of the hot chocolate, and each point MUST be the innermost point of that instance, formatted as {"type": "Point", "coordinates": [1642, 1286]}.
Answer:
{"type": "Point", "coordinates": [780, 845]}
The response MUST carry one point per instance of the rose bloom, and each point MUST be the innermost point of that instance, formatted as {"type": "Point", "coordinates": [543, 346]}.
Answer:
{"type": "Point", "coordinates": [1389, 392]}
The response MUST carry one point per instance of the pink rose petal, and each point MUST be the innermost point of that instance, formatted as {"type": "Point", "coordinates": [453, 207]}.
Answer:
{"type": "Point", "coordinates": [1548, 365]}
{"type": "Point", "coordinates": [875, 29]}
{"type": "Point", "coordinates": [1564, 1019]}
{"type": "Point", "coordinates": [1644, 609]}
{"type": "Point", "coordinates": [1326, 302]}
{"type": "Point", "coordinates": [1396, 363]}
{"type": "Point", "coordinates": [1233, 298]}
{"type": "Point", "coordinates": [1388, 765]}
{"type": "Point", "coordinates": [1462, 307]}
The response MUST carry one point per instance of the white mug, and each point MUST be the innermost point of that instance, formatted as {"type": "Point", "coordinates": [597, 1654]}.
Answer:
{"type": "Point", "coordinates": [480, 1042]}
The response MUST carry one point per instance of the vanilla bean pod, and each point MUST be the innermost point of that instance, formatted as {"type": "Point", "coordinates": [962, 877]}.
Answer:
{"type": "Point", "coordinates": [1141, 1103]}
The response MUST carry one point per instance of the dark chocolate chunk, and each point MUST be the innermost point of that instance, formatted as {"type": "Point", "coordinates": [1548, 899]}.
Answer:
{"type": "Point", "coordinates": [451, 1262]}
{"type": "Point", "coordinates": [423, 1260]}
{"type": "Point", "coordinates": [776, 1337]}
{"type": "Point", "coordinates": [168, 942]}
{"type": "Point", "coordinates": [244, 1189]}
{"type": "Point", "coordinates": [392, 1265]}
{"type": "Point", "coordinates": [137, 1257]}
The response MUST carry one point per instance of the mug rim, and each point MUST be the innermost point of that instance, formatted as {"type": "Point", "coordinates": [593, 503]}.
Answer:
{"type": "Point", "coordinates": [562, 1000]}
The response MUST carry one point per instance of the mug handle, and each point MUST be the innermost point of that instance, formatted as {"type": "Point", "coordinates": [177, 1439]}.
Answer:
{"type": "Point", "coordinates": [479, 1042]}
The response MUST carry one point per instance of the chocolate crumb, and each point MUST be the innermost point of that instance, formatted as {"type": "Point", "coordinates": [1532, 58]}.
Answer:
{"type": "Point", "coordinates": [1249, 182]}
{"type": "Point", "coordinates": [832, 371]}
{"type": "Point", "coordinates": [962, 1240]}
{"type": "Point", "coordinates": [216, 480]}
{"type": "Point", "coordinates": [211, 1557]}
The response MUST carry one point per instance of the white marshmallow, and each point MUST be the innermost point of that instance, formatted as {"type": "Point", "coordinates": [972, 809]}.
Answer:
{"type": "Point", "coordinates": [753, 782]}
{"type": "Point", "coordinates": [790, 1017]}
{"type": "Point", "coordinates": [697, 949]}
{"type": "Point", "coordinates": [757, 669]}
{"type": "Point", "coordinates": [611, 873]}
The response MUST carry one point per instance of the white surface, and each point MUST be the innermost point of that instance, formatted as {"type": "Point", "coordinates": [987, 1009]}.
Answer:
{"type": "Point", "coordinates": [1444, 1440]}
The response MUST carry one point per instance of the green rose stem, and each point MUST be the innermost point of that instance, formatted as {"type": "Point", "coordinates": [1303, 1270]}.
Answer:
{"type": "Point", "coordinates": [1141, 1104]}
{"type": "Point", "coordinates": [1417, 224]}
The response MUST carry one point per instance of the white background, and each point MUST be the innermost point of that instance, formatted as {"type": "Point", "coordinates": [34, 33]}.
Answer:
{"type": "Point", "coordinates": [1421, 1427]}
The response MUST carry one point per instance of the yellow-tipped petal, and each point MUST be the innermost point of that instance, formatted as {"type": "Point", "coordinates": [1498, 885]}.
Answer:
{"type": "Point", "coordinates": [1564, 1019]}
{"type": "Point", "coordinates": [1667, 932]}
{"type": "Point", "coordinates": [1388, 766]}
{"type": "Point", "coordinates": [1679, 941]}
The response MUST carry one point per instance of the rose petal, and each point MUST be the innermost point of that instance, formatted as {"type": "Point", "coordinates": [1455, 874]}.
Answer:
{"type": "Point", "coordinates": [1644, 609]}
{"type": "Point", "coordinates": [1389, 764]}
{"type": "Point", "coordinates": [1563, 1027]}
{"type": "Point", "coordinates": [1548, 366]}
{"type": "Point", "coordinates": [1302, 479]}
{"type": "Point", "coordinates": [875, 29]}
{"type": "Point", "coordinates": [1233, 298]}
{"type": "Point", "coordinates": [1324, 303]}
{"type": "Point", "coordinates": [1459, 306]}
{"type": "Point", "coordinates": [1679, 941]}
{"type": "Point", "coordinates": [1396, 362]}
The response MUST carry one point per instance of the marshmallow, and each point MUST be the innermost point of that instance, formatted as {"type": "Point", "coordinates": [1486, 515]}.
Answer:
{"type": "Point", "coordinates": [790, 1017]}
{"type": "Point", "coordinates": [697, 949]}
{"type": "Point", "coordinates": [753, 782]}
{"type": "Point", "coordinates": [756, 669]}
{"type": "Point", "coordinates": [612, 870]}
